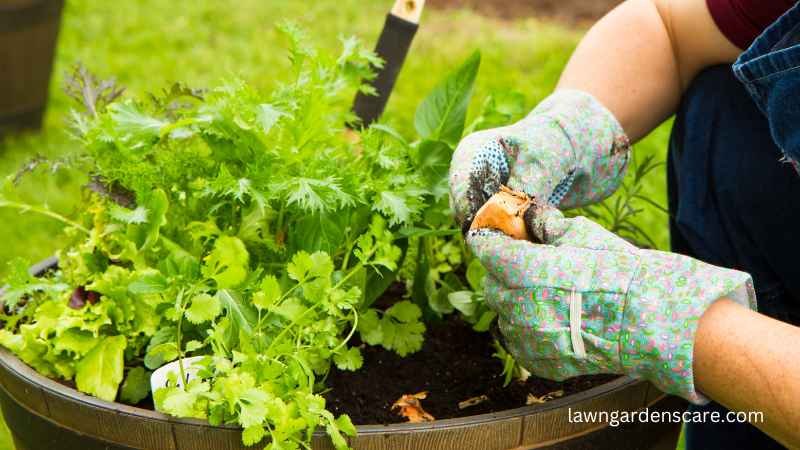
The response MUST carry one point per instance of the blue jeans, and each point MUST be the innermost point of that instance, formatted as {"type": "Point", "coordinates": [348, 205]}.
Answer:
{"type": "Point", "coordinates": [734, 201]}
{"type": "Point", "coordinates": [770, 71]}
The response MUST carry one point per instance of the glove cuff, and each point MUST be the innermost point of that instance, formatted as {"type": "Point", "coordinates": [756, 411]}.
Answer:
{"type": "Point", "coordinates": [666, 299]}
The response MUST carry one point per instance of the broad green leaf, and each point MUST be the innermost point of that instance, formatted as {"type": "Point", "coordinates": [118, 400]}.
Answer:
{"type": "Point", "coordinates": [442, 114]}
{"type": "Point", "coordinates": [204, 308]}
{"type": "Point", "coordinates": [433, 162]}
{"type": "Point", "coordinates": [318, 232]}
{"type": "Point", "coordinates": [475, 274]}
{"type": "Point", "coordinates": [227, 264]}
{"type": "Point", "coordinates": [160, 354]}
{"type": "Point", "coordinates": [136, 386]}
{"type": "Point", "coordinates": [157, 205]}
{"type": "Point", "coordinates": [147, 282]}
{"type": "Point", "coordinates": [100, 372]}
{"type": "Point", "coordinates": [242, 315]}
{"type": "Point", "coordinates": [464, 301]}
{"type": "Point", "coordinates": [76, 341]}
{"type": "Point", "coordinates": [485, 321]}
{"type": "Point", "coordinates": [193, 345]}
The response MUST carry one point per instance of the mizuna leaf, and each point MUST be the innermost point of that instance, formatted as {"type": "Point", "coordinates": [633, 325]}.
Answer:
{"type": "Point", "coordinates": [442, 114]}
{"type": "Point", "coordinates": [100, 372]}
{"type": "Point", "coordinates": [133, 125]}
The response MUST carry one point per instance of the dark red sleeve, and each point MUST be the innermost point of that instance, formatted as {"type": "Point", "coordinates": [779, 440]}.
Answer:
{"type": "Point", "coordinates": [741, 21]}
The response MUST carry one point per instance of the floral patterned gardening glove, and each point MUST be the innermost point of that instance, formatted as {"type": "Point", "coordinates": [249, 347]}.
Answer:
{"type": "Point", "coordinates": [586, 301]}
{"type": "Point", "coordinates": [569, 151]}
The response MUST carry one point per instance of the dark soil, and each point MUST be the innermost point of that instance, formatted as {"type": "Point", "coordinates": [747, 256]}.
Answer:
{"type": "Point", "coordinates": [455, 364]}
{"type": "Point", "coordinates": [572, 11]}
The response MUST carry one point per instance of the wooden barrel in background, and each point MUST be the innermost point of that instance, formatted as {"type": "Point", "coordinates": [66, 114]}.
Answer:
{"type": "Point", "coordinates": [28, 32]}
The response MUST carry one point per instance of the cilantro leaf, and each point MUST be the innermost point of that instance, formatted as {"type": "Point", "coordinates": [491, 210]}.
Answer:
{"type": "Point", "coordinates": [349, 359]}
{"type": "Point", "coordinates": [253, 434]}
{"type": "Point", "coordinates": [269, 294]}
{"type": "Point", "coordinates": [404, 312]}
{"type": "Point", "coordinates": [369, 327]}
{"type": "Point", "coordinates": [204, 308]}
{"type": "Point", "coordinates": [253, 407]}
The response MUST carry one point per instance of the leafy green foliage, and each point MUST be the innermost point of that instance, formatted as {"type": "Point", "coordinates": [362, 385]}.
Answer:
{"type": "Point", "coordinates": [136, 386]}
{"type": "Point", "coordinates": [100, 371]}
{"type": "Point", "coordinates": [441, 116]}
{"type": "Point", "coordinates": [217, 228]}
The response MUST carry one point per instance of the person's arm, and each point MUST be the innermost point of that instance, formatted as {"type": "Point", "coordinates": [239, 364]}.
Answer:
{"type": "Point", "coordinates": [638, 60]}
{"type": "Point", "coordinates": [750, 362]}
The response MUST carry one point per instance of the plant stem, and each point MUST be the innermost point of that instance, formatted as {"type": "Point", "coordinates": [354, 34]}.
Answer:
{"type": "Point", "coordinates": [24, 207]}
{"type": "Point", "coordinates": [184, 381]}
{"type": "Point", "coordinates": [350, 335]}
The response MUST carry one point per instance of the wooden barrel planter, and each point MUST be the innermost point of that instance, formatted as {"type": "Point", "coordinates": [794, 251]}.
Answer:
{"type": "Point", "coordinates": [44, 414]}
{"type": "Point", "coordinates": [28, 32]}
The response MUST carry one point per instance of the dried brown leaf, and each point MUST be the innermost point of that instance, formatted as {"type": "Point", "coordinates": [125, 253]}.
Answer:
{"type": "Point", "coordinates": [410, 407]}
{"type": "Point", "coordinates": [472, 401]}
{"type": "Point", "coordinates": [534, 400]}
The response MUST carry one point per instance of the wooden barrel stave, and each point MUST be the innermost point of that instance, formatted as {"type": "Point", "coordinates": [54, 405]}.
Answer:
{"type": "Point", "coordinates": [42, 413]}
{"type": "Point", "coordinates": [28, 35]}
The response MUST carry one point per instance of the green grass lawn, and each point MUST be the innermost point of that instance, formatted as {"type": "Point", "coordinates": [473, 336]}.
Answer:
{"type": "Point", "coordinates": [148, 44]}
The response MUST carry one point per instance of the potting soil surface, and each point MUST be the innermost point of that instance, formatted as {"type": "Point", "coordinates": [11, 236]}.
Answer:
{"type": "Point", "coordinates": [454, 365]}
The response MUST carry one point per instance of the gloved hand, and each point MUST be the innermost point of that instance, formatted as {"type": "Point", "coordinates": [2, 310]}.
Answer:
{"type": "Point", "coordinates": [570, 151]}
{"type": "Point", "coordinates": [587, 302]}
